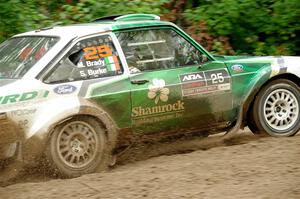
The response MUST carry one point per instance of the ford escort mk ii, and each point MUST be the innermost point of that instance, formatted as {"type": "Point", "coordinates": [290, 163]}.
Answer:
{"type": "Point", "coordinates": [71, 93]}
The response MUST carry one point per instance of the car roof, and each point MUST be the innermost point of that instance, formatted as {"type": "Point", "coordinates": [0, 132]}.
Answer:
{"type": "Point", "coordinates": [99, 25]}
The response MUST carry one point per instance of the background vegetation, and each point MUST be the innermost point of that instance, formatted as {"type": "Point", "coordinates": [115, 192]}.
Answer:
{"type": "Point", "coordinates": [257, 27]}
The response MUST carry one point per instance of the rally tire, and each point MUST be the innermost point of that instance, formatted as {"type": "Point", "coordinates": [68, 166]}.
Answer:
{"type": "Point", "coordinates": [78, 146]}
{"type": "Point", "coordinates": [276, 110]}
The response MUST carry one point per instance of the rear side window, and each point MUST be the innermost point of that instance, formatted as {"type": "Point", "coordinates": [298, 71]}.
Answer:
{"type": "Point", "coordinates": [90, 58]}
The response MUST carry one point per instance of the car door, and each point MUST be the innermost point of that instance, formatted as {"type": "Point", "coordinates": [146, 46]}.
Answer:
{"type": "Point", "coordinates": [173, 84]}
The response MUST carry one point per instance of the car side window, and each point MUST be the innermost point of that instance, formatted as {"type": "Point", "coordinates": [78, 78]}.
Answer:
{"type": "Point", "coordinates": [147, 50]}
{"type": "Point", "coordinates": [88, 59]}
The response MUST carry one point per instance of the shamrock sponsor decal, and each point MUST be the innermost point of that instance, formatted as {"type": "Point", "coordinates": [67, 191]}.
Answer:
{"type": "Point", "coordinates": [157, 91]}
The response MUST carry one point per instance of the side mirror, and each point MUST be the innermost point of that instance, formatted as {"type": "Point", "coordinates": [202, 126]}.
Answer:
{"type": "Point", "coordinates": [203, 60]}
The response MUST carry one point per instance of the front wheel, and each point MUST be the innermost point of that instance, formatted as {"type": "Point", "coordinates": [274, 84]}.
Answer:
{"type": "Point", "coordinates": [276, 109]}
{"type": "Point", "coordinates": [78, 146]}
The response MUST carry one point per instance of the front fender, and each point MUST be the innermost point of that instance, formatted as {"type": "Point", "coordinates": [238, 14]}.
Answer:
{"type": "Point", "coordinates": [254, 85]}
{"type": "Point", "coordinates": [279, 67]}
{"type": "Point", "coordinates": [251, 90]}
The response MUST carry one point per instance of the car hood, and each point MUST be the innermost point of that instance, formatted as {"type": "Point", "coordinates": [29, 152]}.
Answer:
{"type": "Point", "coordinates": [4, 82]}
{"type": "Point", "coordinates": [257, 59]}
{"type": "Point", "coordinates": [227, 58]}
{"type": "Point", "coordinates": [278, 64]}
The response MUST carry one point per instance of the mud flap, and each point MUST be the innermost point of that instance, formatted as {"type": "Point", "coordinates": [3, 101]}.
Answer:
{"type": "Point", "coordinates": [234, 130]}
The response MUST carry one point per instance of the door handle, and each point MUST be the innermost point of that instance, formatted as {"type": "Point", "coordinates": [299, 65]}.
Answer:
{"type": "Point", "coordinates": [139, 81]}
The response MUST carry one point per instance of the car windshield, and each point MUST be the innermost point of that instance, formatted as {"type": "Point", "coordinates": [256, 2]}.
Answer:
{"type": "Point", "coordinates": [19, 54]}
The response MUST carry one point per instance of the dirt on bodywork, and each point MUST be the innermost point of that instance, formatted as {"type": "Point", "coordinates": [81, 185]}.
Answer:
{"type": "Point", "coordinates": [242, 166]}
{"type": "Point", "coordinates": [9, 134]}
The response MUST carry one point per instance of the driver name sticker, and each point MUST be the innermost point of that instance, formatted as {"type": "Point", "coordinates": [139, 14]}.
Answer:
{"type": "Point", "coordinates": [205, 82]}
{"type": "Point", "coordinates": [98, 60]}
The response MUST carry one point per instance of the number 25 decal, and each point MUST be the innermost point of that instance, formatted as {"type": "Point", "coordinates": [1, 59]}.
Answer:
{"type": "Point", "coordinates": [96, 52]}
{"type": "Point", "coordinates": [217, 78]}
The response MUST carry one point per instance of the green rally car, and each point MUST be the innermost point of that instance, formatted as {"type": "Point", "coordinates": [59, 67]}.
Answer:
{"type": "Point", "coordinates": [71, 93]}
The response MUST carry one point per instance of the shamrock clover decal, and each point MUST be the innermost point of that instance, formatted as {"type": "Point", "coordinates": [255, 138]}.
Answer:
{"type": "Point", "coordinates": [157, 91]}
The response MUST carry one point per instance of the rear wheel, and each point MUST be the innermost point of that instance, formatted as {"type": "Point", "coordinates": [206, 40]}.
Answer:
{"type": "Point", "coordinates": [78, 146]}
{"type": "Point", "coordinates": [276, 109]}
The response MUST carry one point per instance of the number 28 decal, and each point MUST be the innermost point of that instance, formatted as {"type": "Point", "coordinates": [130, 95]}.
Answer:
{"type": "Point", "coordinates": [96, 52]}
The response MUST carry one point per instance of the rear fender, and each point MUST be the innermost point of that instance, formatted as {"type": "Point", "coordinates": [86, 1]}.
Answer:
{"type": "Point", "coordinates": [85, 107]}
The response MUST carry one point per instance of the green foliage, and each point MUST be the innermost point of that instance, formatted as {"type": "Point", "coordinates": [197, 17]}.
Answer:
{"type": "Point", "coordinates": [254, 26]}
{"type": "Point", "coordinates": [17, 16]}
{"type": "Point", "coordinates": [86, 11]}
{"type": "Point", "coordinates": [20, 16]}
{"type": "Point", "coordinates": [260, 27]}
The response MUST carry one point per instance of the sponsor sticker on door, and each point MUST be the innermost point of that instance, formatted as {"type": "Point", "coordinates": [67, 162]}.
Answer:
{"type": "Point", "coordinates": [162, 109]}
{"type": "Point", "coordinates": [205, 82]}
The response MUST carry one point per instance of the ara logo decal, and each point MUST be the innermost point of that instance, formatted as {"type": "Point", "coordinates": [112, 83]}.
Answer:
{"type": "Point", "coordinates": [237, 68]}
{"type": "Point", "coordinates": [192, 77]}
{"type": "Point", "coordinates": [157, 91]}
{"type": "Point", "coordinates": [64, 89]}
